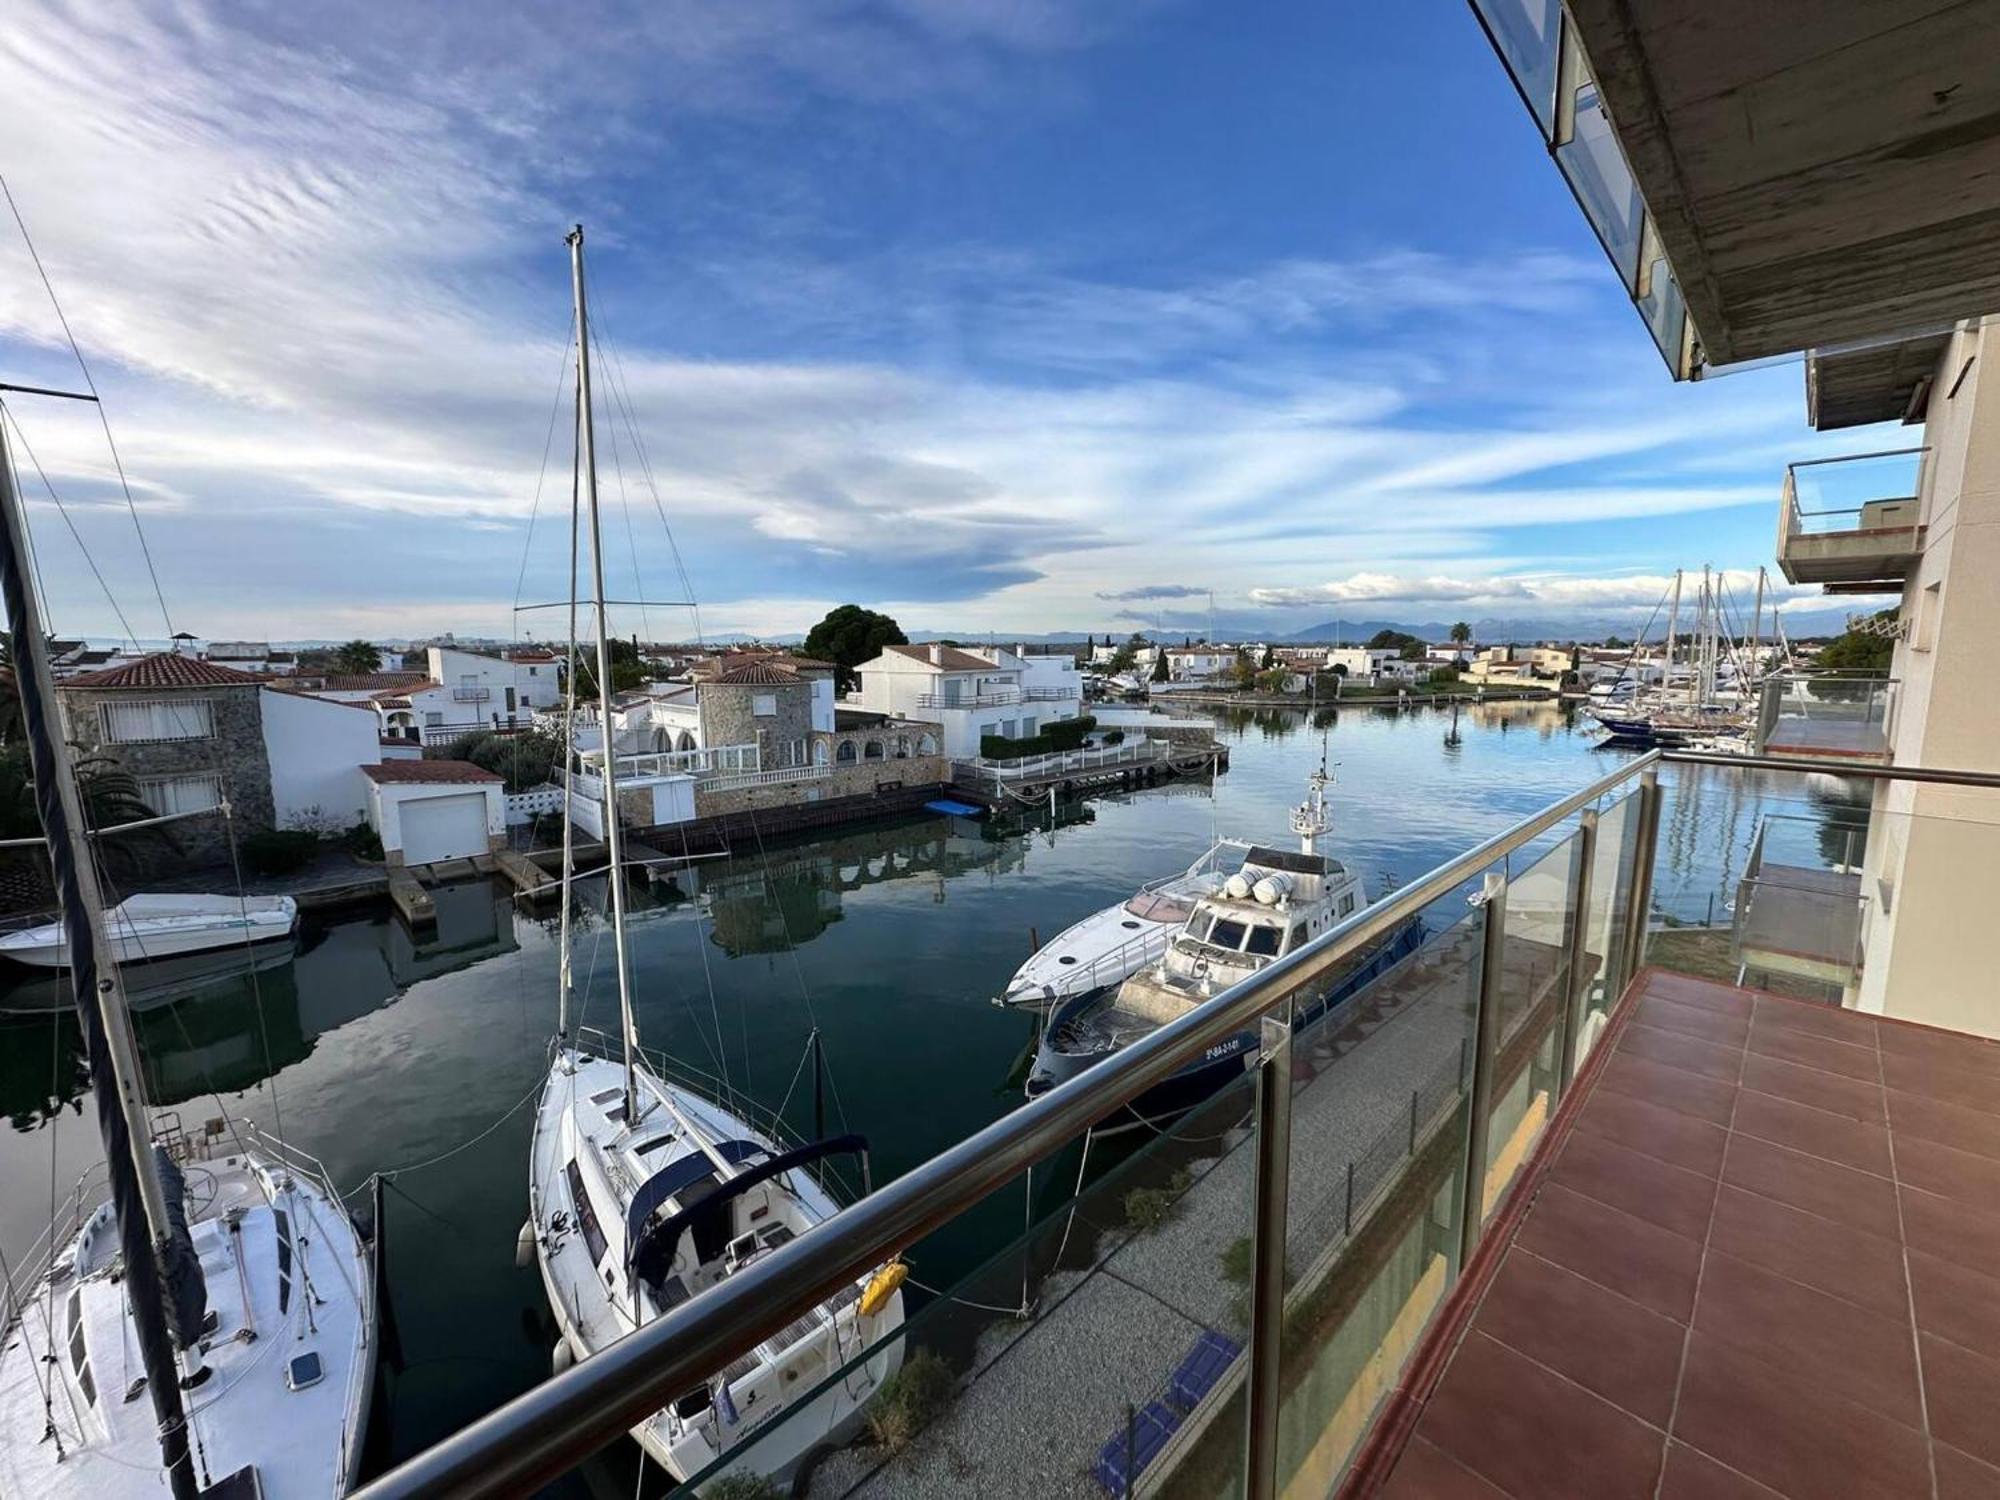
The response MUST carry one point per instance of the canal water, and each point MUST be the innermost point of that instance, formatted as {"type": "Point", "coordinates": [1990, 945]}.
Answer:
{"type": "Point", "coordinates": [379, 1052]}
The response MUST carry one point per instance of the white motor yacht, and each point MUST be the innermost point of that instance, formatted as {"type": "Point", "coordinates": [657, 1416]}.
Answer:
{"type": "Point", "coordinates": [164, 925]}
{"type": "Point", "coordinates": [1109, 945]}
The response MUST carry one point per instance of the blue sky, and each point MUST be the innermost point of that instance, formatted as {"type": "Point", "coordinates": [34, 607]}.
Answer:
{"type": "Point", "coordinates": [1010, 315]}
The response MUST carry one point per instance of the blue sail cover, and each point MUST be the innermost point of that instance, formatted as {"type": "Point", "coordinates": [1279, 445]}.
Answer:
{"type": "Point", "coordinates": [676, 1177]}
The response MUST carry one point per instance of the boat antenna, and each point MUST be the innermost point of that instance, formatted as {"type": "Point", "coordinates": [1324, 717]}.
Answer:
{"type": "Point", "coordinates": [138, 1198]}
{"type": "Point", "coordinates": [1309, 818]}
{"type": "Point", "coordinates": [613, 840]}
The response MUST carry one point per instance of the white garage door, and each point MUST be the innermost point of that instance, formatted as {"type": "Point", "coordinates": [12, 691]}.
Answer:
{"type": "Point", "coordinates": [437, 828]}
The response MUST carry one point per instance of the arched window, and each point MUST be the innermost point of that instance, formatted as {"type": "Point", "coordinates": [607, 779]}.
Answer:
{"type": "Point", "coordinates": [819, 752]}
{"type": "Point", "coordinates": [873, 752]}
{"type": "Point", "coordinates": [926, 745]}
{"type": "Point", "coordinates": [845, 755]}
{"type": "Point", "coordinates": [685, 742]}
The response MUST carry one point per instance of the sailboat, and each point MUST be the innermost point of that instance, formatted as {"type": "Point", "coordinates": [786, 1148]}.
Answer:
{"type": "Point", "coordinates": [644, 1193]}
{"type": "Point", "coordinates": [199, 1320]}
{"type": "Point", "coordinates": [1705, 698]}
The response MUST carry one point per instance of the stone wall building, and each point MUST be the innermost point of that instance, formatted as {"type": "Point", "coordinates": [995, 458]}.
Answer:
{"type": "Point", "coordinates": [761, 703]}
{"type": "Point", "coordinates": [190, 732]}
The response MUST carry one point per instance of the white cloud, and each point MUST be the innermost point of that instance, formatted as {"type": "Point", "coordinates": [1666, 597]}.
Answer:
{"type": "Point", "coordinates": [1552, 592]}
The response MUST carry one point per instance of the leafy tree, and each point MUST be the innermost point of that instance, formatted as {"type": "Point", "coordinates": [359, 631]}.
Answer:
{"type": "Point", "coordinates": [357, 658]}
{"type": "Point", "coordinates": [627, 670]}
{"type": "Point", "coordinates": [1862, 651]}
{"type": "Point", "coordinates": [1127, 653]}
{"type": "Point", "coordinates": [1160, 665]}
{"type": "Point", "coordinates": [1400, 641]}
{"type": "Point", "coordinates": [1265, 662]}
{"type": "Point", "coordinates": [1413, 650]}
{"type": "Point", "coordinates": [1613, 643]}
{"type": "Point", "coordinates": [850, 635]}
{"type": "Point", "coordinates": [1243, 670]}
{"type": "Point", "coordinates": [522, 761]}
{"type": "Point", "coordinates": [1461, 633]}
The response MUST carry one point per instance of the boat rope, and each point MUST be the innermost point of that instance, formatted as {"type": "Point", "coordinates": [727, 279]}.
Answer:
{"type": "Point", "coordinates": [97, 401]}
{"type": "Point", "coordinates": [541, 476]}
{"type": "Point", "coordinates": [390, 1175]}
{"type": "Point", "coordinates": [720, 1052]}
{"type": "Point", "coordinates": [1076, 1198]}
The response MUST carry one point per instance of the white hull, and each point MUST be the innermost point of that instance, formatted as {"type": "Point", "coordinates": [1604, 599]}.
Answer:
{"type": "Point", "coordinates": [292, 1272]}
{"type": "Point", "coordinates": [164, 926]}
{"type": "Point", "coordinates": [581, 1138]}
{"type": "Point", "coordinates": [1109, 946]}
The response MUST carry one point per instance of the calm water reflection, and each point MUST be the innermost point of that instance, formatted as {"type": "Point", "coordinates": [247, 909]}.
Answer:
{"type": "Point", "coordinates": [380, 1052]}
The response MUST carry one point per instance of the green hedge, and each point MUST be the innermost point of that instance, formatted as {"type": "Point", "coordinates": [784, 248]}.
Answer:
{"type": "Point", "coordinates": [1059, 734]}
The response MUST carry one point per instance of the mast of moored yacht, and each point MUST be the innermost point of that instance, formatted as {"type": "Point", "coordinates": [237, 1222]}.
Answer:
{"type": "Point", "coordinates": [613, 842]}
{"type": "Point", "coordinates": [565, 980]}
{"type": "Point", "coordinates": [138, 1198]}
{"type": "Point", "coordinates": [1673, 628]}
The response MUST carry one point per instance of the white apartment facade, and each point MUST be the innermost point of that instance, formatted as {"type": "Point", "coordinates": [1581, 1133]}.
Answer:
{"type": "Point", "coordinates": [969, 694]}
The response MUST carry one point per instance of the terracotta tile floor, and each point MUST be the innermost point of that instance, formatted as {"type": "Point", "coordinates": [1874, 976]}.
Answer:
{"type": "Point", "coordinates": [1762, 1260]}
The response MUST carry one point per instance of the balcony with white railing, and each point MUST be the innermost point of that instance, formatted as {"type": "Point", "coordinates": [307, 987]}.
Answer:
{"type": "Point", "coordinates": [777, 776]}
{"type": "Point", "coordinates": [1853, 522]}
{"type": "Point", "coordinates": [987, 698]}
{"type": "Point", "coordinates": [471, 694]}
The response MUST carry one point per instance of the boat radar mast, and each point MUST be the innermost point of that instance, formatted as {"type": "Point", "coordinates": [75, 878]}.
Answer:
{"type": "Point", "coordinates": [1309, 818]}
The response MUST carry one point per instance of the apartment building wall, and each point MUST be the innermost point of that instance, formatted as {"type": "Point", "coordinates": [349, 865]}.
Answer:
{"type": "Point", "coordinates": [1929, 872]}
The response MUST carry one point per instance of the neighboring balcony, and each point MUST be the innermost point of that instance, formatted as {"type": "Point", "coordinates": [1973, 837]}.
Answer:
{"type": "Point", "coordinates": [1834, 715]}
{"type": "Point", "coordinates": [991, 698]}
{"type": "Point", "coordinates": [1852, 523]}
{"type": "Point", "coordinates": [1800, 910]}
{"type": "Point", "coordinates": [470, 694]}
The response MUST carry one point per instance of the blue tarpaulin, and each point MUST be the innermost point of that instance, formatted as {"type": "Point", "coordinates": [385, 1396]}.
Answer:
{"type": "Point", "coordinates": [954, 809]}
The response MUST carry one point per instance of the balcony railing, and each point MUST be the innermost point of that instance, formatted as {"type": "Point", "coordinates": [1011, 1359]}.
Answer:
{"type": "Point", "coordinates": [471, 694]}
{"type": "Point", "coordinates": [990, 698]}
{"type": "Point", "coordinates": [1836, 715]}
{"type": "Point", "coordinates": [1268, 1286]}
{"type": "Point", "coordinates": [1853, 521]}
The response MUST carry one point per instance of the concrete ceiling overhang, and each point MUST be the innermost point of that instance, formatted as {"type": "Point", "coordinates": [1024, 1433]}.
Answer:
{"type": "Point", "coordinates": [1879, 382]}
{"type": "Point", "coordinates": [1819, 170]}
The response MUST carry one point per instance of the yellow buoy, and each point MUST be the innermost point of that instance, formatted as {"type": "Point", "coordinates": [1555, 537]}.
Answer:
{"type": "Point", "coordinates": [881, 1287]}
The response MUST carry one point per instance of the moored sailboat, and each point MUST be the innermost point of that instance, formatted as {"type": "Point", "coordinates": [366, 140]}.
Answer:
{"type": "Point", "coordinates": [200, 1320]}
{"type": "Point", "coordinates": [644, 1192]}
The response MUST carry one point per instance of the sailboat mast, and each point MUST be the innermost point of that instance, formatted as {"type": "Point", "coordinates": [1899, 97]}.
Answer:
{"type": "Point", "coordinates": [138, 1199]}
{"type": "Point", "coordinates": [1756, 635]}
{"type": "Point", "coordinates": [613, 839]}
{"type": "Point", "coordinates": [1673, 629]}
{"type": "Point", "coordinates": [565, 981]}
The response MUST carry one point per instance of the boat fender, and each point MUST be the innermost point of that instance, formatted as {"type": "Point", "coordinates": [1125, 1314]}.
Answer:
{"type": "Point", "coordinates": [524, 1245]}
{"type": "Point", "coordinates": [1236, 887]}
{"type": "Point", "coordinates": [561, 1357]}
{"type": "Point", "coordinates": [881, 1287]}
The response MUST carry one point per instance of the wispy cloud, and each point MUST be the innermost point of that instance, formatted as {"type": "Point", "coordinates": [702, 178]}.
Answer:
{"type": "Point", "coordinates": [1154, 591]}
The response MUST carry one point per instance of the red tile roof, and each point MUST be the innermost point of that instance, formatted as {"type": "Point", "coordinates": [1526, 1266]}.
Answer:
{"type": "Point", "coordinates": [163, 669]}
{"type": "Point", "coordinates": [427, 771]}
{"type": "Point", "coordinates": [764, 673]}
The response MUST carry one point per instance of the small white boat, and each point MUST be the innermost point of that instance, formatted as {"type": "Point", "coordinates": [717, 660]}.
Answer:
{"type": "Point", "coordinates": [1109, 946]}
{"type": "Point", "coordinates": [163, 926]}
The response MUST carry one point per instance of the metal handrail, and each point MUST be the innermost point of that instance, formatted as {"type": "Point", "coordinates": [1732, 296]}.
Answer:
{"type": "Point", "coordinates": [1938, 776]}
{"type": "Point", "coordinates": [546, 1431]}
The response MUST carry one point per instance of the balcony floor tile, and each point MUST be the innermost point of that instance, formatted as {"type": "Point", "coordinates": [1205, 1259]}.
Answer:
{"type": "Point", "coordinates": [1841, 1279]}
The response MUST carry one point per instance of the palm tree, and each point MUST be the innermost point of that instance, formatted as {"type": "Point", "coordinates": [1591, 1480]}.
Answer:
{"type": "Point", "coordinates": [110, 795]}
{"type": "Point", "coordinates": [357, 658]}
{"type": "Point", "coordinates": [1461, 633]}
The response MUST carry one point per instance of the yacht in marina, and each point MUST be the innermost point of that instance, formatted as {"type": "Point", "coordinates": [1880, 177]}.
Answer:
{"type": "Point", "coordinates": [1108, 946]}
{"type": "Point", "coordinates": [1275, 902]}
{"type": "Point", "coordinates": [644, 1191]}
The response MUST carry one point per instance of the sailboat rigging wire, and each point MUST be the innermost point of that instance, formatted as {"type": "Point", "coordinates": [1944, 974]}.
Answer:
{"type": "Point", "coordinates": [97, 400]}
{"type": "Point", "coordinates": [720, 1051]}
{"type": "Point", "coordinates": [625, 509]}
{"type": "Point", "coordinates": [63, 511]}
{"type": "Point", "coordinates": [621, 401]}
{"type": "Point", "coordinates": [548, 445]}
{"type": "Point", "coordinates": [390, 1174]}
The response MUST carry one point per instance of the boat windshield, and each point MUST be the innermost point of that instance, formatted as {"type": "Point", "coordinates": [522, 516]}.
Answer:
{"type": "Point", "coordinates": [1226, 933]}
{"type": "Point", "coordinates": [1264, 941]}
{"type": "Point", "coordinates": [1158, 906]}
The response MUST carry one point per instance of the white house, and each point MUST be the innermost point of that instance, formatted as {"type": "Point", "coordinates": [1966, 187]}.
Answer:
{"type": "Point", "coordinates": [318, 752]}
{"type": "Point", "coordinates": [1199, 663]}
{"type": "Point", "coordinates": [430, 810]}
{"type": "Point", "coordinates": [971, 694]}
{"type": "Point", "coordinates": [485, 689]}
{"type": "Point", "coordinates": [1361, 661]}
{"type": "Point", "coordinates": [252, 656]}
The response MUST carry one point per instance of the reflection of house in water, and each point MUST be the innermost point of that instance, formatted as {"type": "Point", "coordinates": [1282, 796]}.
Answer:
{"type": "Point", "coordinates": [766, 905]}
{"type": "Point", "coordinates": [229, 1024]}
